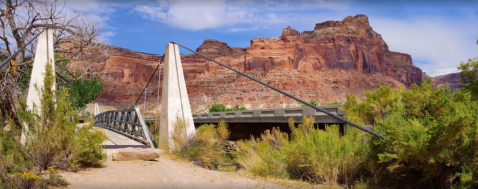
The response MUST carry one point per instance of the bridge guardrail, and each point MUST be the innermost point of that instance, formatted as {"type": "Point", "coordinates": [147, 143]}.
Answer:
{"type": "Point", "coordinates": [272, 115]}
{"type": "Point", "coordinates": [267, 115]}
{"type": "Point", "coordinates": [128, 122]}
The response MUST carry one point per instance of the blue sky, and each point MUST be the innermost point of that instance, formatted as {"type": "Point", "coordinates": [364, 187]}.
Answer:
{"type": "Point", "coordinates": [437, 34]}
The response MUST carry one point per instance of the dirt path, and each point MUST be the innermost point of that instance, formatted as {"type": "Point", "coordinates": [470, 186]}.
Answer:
{"type": "Point", "coordinates": [163, 173]}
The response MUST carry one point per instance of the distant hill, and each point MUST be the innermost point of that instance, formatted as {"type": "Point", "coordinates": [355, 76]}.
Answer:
{"type": "Point", "coordinates": [453, 80]}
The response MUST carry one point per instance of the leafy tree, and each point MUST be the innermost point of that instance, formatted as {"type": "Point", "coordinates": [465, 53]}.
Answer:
{"type": "Point", "coordinates": [469, 71]}
{"type": "Point", "coordinates": [84, 91]}
{"type": "Point", "coordinates": [431, 135]}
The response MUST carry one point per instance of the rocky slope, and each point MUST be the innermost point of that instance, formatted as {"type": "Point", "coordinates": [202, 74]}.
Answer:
{"type": "Point", "coordinates": [453, 80]}
{"type": "Point", "coordinates": [336, 58]}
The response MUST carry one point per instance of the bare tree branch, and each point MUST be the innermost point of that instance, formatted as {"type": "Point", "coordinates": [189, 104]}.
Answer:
{"type": "Point", "coordinates": [20, 21]}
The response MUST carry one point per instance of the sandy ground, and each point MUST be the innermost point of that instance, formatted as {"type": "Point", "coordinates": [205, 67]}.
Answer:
{"type": "Point", "coordinates": [165, 172]}
{"type": "Point", "coordinates": [91, 108]}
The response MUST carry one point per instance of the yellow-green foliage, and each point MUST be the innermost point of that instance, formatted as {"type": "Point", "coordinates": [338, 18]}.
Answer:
{"type": "Point", "coordinates": [154, 128]}
{"type": "Point", "coordinates": [52, 139]}
{"type": "Point", "coordinates": [310, 153]}
{"type": "Point", "coordinates": [205, 148]}
{"type": "Point", "coordinates": [431, 134]}
{"type": "Point", "coordinates": [469, 71]}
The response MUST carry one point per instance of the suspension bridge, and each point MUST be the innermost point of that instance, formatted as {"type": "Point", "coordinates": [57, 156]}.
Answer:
{"type": "Point", "coordinates": [127, 127]}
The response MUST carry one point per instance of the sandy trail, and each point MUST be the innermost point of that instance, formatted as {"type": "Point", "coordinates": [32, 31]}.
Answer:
{"type": "Point", "coordinates": [163, 173]}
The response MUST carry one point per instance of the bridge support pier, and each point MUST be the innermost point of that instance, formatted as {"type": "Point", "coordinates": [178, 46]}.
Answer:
{"type": "Point", "coordinates": [174, 101]}
{"type": "Point", "coordinates": [97, 109]}
{"type": "Point", "coordinates": [44, 54]}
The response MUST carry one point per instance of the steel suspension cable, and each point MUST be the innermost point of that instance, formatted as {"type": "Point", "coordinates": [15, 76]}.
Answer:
{"type": "Point", "coordinates": [287, 94]}
{"type": "Point", "coordinates": [148, 82]}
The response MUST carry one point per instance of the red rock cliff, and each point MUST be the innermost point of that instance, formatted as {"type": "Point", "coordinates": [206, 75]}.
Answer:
{"type": "Point", "coordinates": [348, 44]}
{"type": "Point", "coordinates": [336, 58]}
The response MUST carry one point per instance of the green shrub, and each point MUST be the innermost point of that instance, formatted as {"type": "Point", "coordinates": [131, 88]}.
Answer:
{"type": "Point", "coordinates": [334, 103]}
{"type": "Point", "coordinates": [206, 148]}
{"type": "Point", "coordinates": [431, 135]}
{"type": "Point", "coordinates": [222, 108]}
{"type": "Point", "coordinates": [313, 102]}
{"type": "Point", "coordinates": [217, 108]}
{"type": "Point", "coordinates": [237, 108]}
{"type": "Point", "coordinates": [469, 70]}
{"type": "Point", "coordinates": [310, 154]}
{"type": "Point", "coordinates": [52, 140]}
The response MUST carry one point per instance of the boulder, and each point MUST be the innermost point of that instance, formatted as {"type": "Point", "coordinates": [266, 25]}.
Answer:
{"type": "Point", "coordinates": [129, 154]}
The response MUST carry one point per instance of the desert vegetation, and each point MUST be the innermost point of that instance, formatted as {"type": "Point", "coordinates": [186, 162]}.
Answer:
{"type": "Point", "coordinates": [431, 135]}
{"type": "Point", "coordinates": [431, 142]}
{"type": "Point", "coordinates": [206, 148]}
{"type": "Point", "coordinates": [51, 141]}
{"type": "Point", "coordinates": [308, 153]}
{"type": "Point", "coordinates": [222, 108]}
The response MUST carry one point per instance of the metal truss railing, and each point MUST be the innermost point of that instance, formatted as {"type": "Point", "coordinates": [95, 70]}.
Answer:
{"type": "Point", "coordinates": [128, 122]}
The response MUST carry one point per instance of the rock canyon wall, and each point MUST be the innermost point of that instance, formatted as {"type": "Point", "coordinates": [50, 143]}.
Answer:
{"type": "Point", "coordinates": [336, 58]}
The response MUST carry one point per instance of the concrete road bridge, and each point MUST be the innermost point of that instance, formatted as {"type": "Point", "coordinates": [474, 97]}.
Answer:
{"type": "Point", "coordinates": [243, 124]}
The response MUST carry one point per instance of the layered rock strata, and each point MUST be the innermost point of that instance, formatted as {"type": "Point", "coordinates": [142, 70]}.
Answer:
{"type": "Point", "coordinates": [336, 58]}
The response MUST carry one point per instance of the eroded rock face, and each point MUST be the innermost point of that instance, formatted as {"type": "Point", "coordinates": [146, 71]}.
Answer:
{"type": "Point", "coordinates": [215, 47]}
{"type": "Point", "coordinates": [336, 58]}
{"type": "Point", "coordinates": [348, 44]}
{"type": "Point", "coordinates": [453, 81]}
{"type": "Point", "coordinates": [290, 32]}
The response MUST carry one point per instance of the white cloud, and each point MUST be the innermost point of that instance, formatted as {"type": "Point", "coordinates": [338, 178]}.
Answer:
{"type": "Point", "coordinates": [106, 36]}
{"type": "Point", "coordinates": [200, 15]}
{"type": "Point", "coordinates": [95, 11]}
{"type": "Point", "coordinates": [437, 45]}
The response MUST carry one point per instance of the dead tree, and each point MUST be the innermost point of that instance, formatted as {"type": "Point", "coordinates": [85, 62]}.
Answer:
{"type": "Point", "coordinates": [20, 20]}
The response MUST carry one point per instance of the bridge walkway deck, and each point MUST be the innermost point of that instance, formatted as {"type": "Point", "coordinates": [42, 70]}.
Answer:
{"type": "Point", "coordinates": [116, 140]}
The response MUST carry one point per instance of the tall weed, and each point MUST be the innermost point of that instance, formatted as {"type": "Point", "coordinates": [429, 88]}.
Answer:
{"type": "Point", "coordinates": [309, 153]}
{"type": "Point", "coordinates": [206, 148]}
